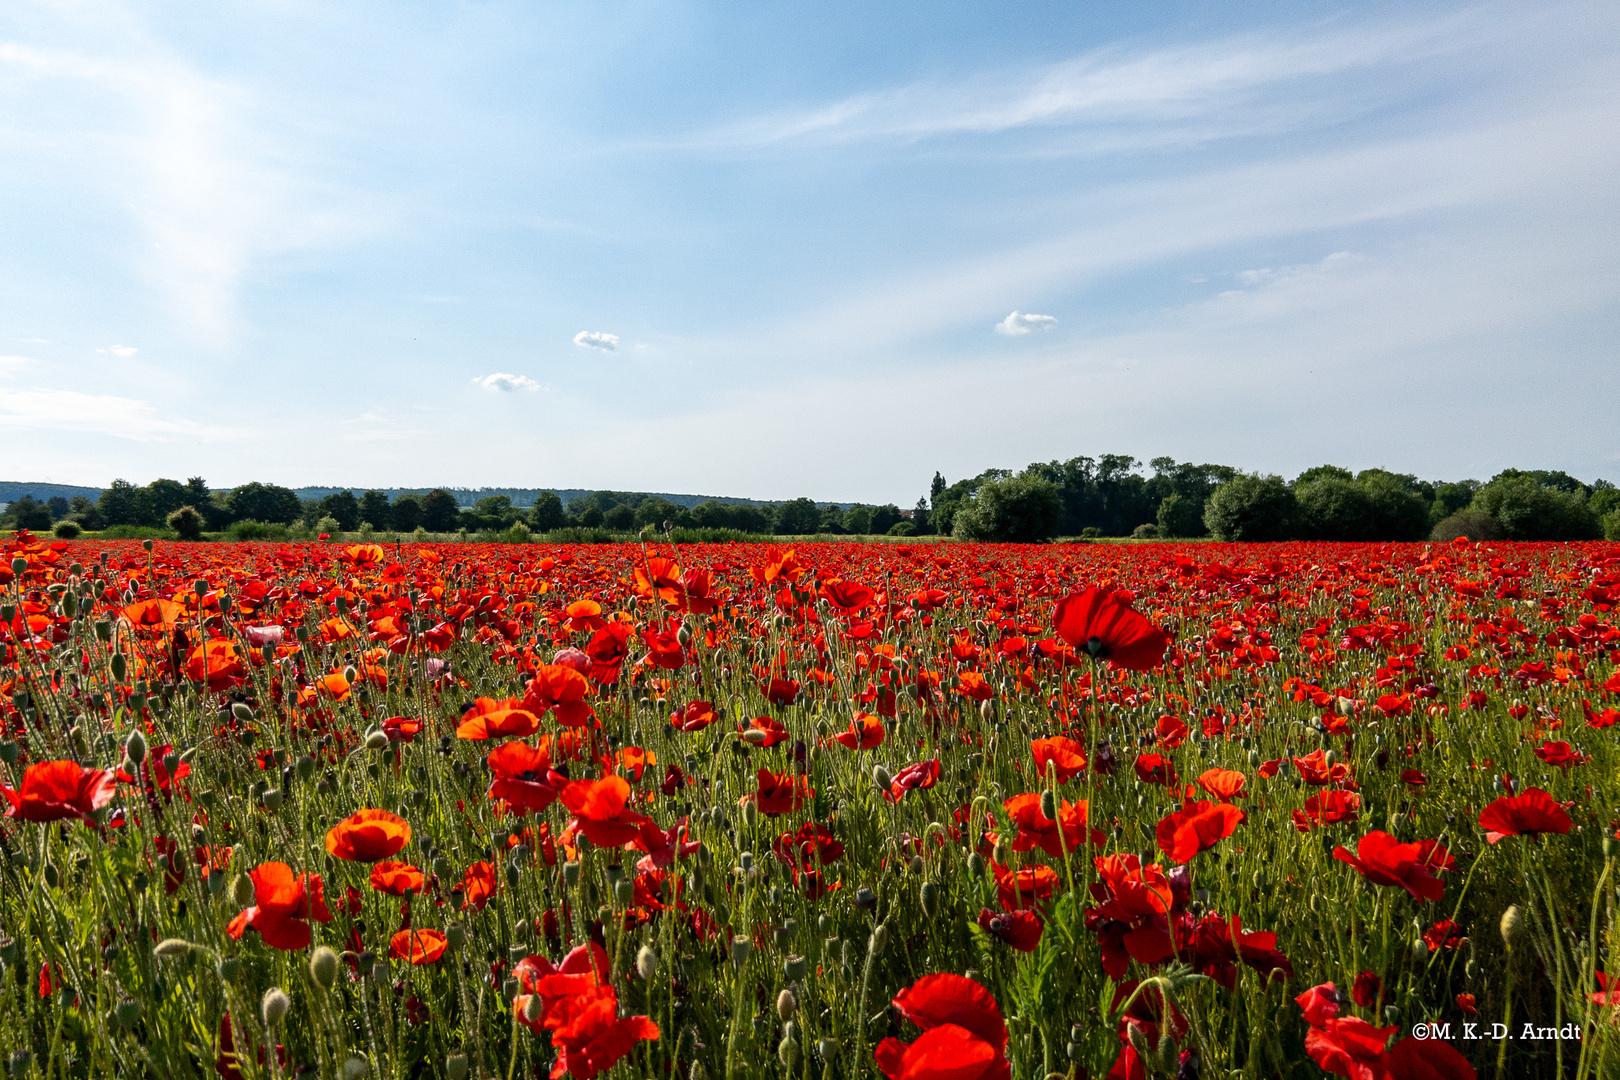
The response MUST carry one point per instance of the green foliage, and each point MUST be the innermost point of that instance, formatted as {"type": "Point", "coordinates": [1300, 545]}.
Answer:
{"type": "Point", "coordinates": [1334, 507]}
{"type": "Point", "coordinates": [269, 503]}
{"type": "Point", "coordinates": [797, 517]}
{"type": "Point", "coordinates": [375, 508]}
{"type": "Point", "coordinates": [407, 513]}
{"type": "Point", "coordinates": [621, 517]}
{"type": "Point", "coordinates": [256, 530]}
{"type": "Point", "coordinates": [187, 523]}
{"type": "Point", "coordinates": [1527, 509]}
{"type": "Point", "coordinates": [120, 504]}
{"type": "Point", "coordinates": [1179, 516]}
{"type": "Point", "coordinates": [547, 512]}
{"type": "Point", "coordinates": [440, 511]}
{"type": "Point", "coordinates": [1322, 472]}
{"type": "Point", "coordinates": [1611, 525]}
{"type": "Point", "coordinates": [343, 508]}
{"type": "Point", "coordinates": [66, 529]}
{"type": "Point", "coordinates": [1476, 525]}
{"type": "Point", "coordinates": [28, 513]}
{"type": "Point", "coordinates": [902, 528]}
{"type": "Point", "coordinates": [1251, 507]}
{"type": "Point", "coordinates": [1145, 532]}
{"type": "Point", "coordinates": [1021, 509]}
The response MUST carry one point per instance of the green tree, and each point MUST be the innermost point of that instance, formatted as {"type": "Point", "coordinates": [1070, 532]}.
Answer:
{"type": "Point", "coordinates": [1334, 507]}
{"type": "Point", "coordinates": [28, 513]}
{"type": "Point", "coordinates": [858, 519]}
{"type": "Point", "coordinates": [1450, 498]}
{"type": "Point", "coordinates": [621, 517]}
{"type": "Point", "coordinates": [797, 517]}
{"type": "Point", "coordinates": [57, 505]}
{"type": "Point", "coordinates": [921, 517]}
{"type": "Point", "coordinates": [375, 508]}
{"type": "Point", "coordinates": [1400, 509]}
{"type": "Point", "coordinates": [1179, 516]}
{"type": "Point", "coordinates": [269, 503]}
{"type": "Point", "coordinates": [1021, 509]}
{"type": "Point", "coordinates": [1527, 509]}
{"type": "Point", "coordinates": [440, 511]}
{"type": "Point", "coordinates": [745, 517]}
{"type": "Point", "coordinates": [1251, 507]}
{"type": "Point", "coordinates": [832, 522]}
{"type": "Point", "coordinates": [1605, 498]}
{"type": "Point", "coordinates": [186, 522]}
{"type": "Point", "coordinates": [120, 504]}
{"type": "Point", "coordinates": [655, 511]}
{"type": "Point", "coordinates": [161, 498]}
{"type": "Point", "coordinates": [85, 511]}
{"type": "Point", "coordinates": [547, 512]}
{"type": "Point", "coordinates": [592, 517]}
{"type": "Point", "coordinates": [1322, 472]}
{"type": "Point", "coordinates": [885, 517]}
{"type": "Point", "coordinates": [407, 513]}
{"type": "Point", "coordinates": [343, 508]}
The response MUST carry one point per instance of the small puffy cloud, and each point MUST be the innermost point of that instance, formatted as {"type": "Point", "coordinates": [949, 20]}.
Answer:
{"type": "Point", "coordinates": [595, 339]}
{"type": "Point", "coordinates": [120, 350]}
{"type": "Point", "coordinates": [1019, 323]}
{"type": "Point", "coordinates": [505, 382]}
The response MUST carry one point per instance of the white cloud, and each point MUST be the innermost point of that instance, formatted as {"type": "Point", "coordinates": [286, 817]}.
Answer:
{"type": "Point", "coordinates": [11, 364]}
{"type": "Point", "coordinates": [502, 381]}
{"type": "Point", "coordinates": [102, 414]}
{"type": "Point", "coordinates": [120, 350]}
{"type": "Point", "coordinates": [595, 339]}
{"type": "Point", "coordinates": [1018, 323]}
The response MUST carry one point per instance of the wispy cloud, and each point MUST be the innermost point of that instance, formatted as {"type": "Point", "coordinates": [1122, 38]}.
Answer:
{"type": "Point", "coordinates": [119, 350]}
{"type": "Point", "coordinates": [103, 414]}
{"type": "Point", "coordinates": [1168, 85]}
{"type": "Point", "coordinates": [12, 364]}
{"type": "Point", "coordinates": [504, 382]}
{"type": "Point", "coordinates": [595, 339]}
{"type": "Point", "coordinates": [1019, 323]}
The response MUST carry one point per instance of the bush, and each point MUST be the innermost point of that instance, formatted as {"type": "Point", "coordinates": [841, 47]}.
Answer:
{"type": "Point", "coordinates": [1334, 508]}
{"type": "Point", "coordinates": [1180, 516]}
{"type": "Point", "coordinates": [328, 525]}
{"type": "Point", "coordinates": [67, 530]}
{"type": "Point", "coordinates": [1476, 525]}
{"type": "Point", "coordinates": [1611, 525]}
{"type": "Point", "coordinates": [1528, 510]}
{"type": "Point", "coordinates": [187, 523]}
{"type": "Point", "coordinates": [1023, 509]}
{"type": "Point", "coordinates": [1251, 507]}
{"type": "Point", "coordinates": [134, 532]}
{"type": "Point", "coordinates": [902, 528]}
{"type": "Point", "coordinates": [1145, 531]}
{"type": "Point", "coordinates": [239, 531]}
{"type": "Point", "coordinates": [1398, 512]}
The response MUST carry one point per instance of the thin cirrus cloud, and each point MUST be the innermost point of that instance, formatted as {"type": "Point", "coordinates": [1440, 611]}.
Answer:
{"type": "Point", "coordinates": [595, 339]}
{"type": "Point", "coordinates": [1171, 86]}
{"type": "Point", "coordinates": [103, 414]}
{"type": "Point", "coordinates": [505, 382]}
{"type": "Point", "coordinates": [1020, 323]}
{"type": "Point", "coordinates": [120, 350]}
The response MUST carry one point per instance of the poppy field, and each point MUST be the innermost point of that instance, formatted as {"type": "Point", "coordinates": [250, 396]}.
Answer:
{"type": "Point", "coordinates": [921, 812]}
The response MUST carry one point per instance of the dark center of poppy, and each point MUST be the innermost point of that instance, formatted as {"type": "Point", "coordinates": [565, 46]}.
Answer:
{"type": "Point", "coordinates": [1097, 648]}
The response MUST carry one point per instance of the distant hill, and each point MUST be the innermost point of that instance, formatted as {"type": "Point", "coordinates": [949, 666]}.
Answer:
{"type": "Point", "coordinates": [12, 490]}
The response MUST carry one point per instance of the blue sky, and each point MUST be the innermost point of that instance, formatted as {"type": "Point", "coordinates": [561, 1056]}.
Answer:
{"type": "Point", "coordinates": [803, 249]}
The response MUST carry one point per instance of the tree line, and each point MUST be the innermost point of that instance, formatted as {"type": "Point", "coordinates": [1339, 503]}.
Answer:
{"type": "Point", "coordinates": [1107, 496]}
{"type": "Point", "coordinates": [1110, 496]}
{"type": "Point", "coordinates": [192, 508]}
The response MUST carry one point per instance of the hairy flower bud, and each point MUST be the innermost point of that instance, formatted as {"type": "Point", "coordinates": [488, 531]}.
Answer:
{"type": "Point", "coordinates": [171, 948]}
{"type": "Point", "coordinates": [323, 967]}
{"type": "Point", "coordinates": [274, 1006]}
{"type": "Point", "coordinates": [135, 747]}
{"type": "Point", "coordinates": [1510, 925]}
{"type": "Point", "coordinates": [646, 962]}
{"type": "Point", "coordinates": [786, 1005]}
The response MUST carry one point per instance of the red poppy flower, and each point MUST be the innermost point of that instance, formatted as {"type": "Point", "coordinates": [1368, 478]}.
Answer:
{"type": "Point", "coordinates": [523, 776]}
{"type": "Point", "coordinates": [1155, 769]}
{"type": "Point", "coordinates": [1349, 1046]}
{"type": "Point", "coordinates": [812, 844]}
{"type": "Point", "coordinates": [664, 648]}
{"type": "Point", "coordinates": [216, 664]}
{"type": "Point", "coordinates": [155, 615]}
{"type": "Point", "coordinates": [1064, 755]}
{"type": "Point", "coordinates": [1524, 815]}
{"type": "Point", "coordinates": [283, 904]}
{"type": "Point", "coordinates": [693, 716]}
{"type": "Point", "coordinates": [418, 946]}
{"type": "Point", "coordinates": [963, 1034]}
{"type": "Point", "coordinates": [397, 878]}
{"type": "Point", "coordinates": [57, 790]}
{"type": "Point", "coordinates": [847, 597]}
{"type": "Point", "coordinates": [778, 564]}
{"type": "Point", "coordinates": [1328, 808]}
{"type": "Point", "coordinates": [1368, 990]}
{"type": "Point", "coordinates": [1384, 860]}
{"type": "Point", "coordinates": [1315, 769]}
{"type": "Point", "coordinates": [1224, 784]}
{"type": "Point", "coordinates": [1428, 1059]}
{"type": "Point", "coordinates": [477, 885]}
{"type": "Point", "coordinates": [781, 692]}
{"type": "Point", "coordinates": [1036, 830]}
{"type": "Point", "coordinates": [1465, 1002]}
{"type": "Point", "coordinates": [1024, 888]}
{"type": "Point", "coordinates": [562, 690]}
{"type": "Point", "coordinates": [1019, 929]}
{"type": "Point", "coordinates": [918, 777]}
{"type": "Point", "coordinates": [598, 807]}
{"type": "Point", "coordinates": [764, 731]}
{"type": "Point", "coordinates": [1109, 629]}
{"type": "Point", "coordinates": [865, 732]}
{"type": "Point", "coordinates": [368, 836]}
{"type": "Point", "coordinates": [1561, 755]}
{"type": "Point", "coordinates": [488, 719]}
{"type": "Point", "coordinates": [1320, 1003]}
{"type": "Point", "coordinates": [583, 615]}
{"type": "Point", "coordinates": [781, 794]}
{"type": "Point", "coordinates": [589, 1035]}
{"type": "Point", "coordinates": [1196, 827]}
{"type": "Point", "coordinates": [608, 649]}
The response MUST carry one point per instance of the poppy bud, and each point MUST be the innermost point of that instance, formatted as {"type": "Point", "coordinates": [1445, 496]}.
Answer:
{"type": "Point", "coordinates": [455, 935]}
{"type": "Point", "coordinates": [882, 777]}
{"type": "Point", "coordinates": [750, 813]}
{"type": "Point", "coordinates": [1003, 850]}
{"type": "Point", "coordinates": [274, 1006]}
{"type": "Point", "coordinates": [455, 1066]}
{"type": "Point", "coordinates": [1139, 1041]}
{"type": "Point", "coordinates": [787, 1051]}
{"type": "Point", "coordinates": [356, 1068]}
{"type": "Point", "coordinates": [930, 899]}
{"type": "Point", "coordinates": [171, 948]}
{"type": "Point", "coordinates": [271, 799]}
{"type": "Point", "coordinates": [323, 967]}
{"type": "Point", "coordinates": [741, 947]}
{"type": "Point", "coordinates": [916, 864]}
{"type": "Point", "coordinates": [975, 864]}
{"type": "Point", "coordinates": [52, 876]}
{"type": "Point", "coordinates": [127, 1012]}
{"type": "Point", "coordinates": [242, 890]}
{"type": "Point", "coordinates": [1510, 925]}
{"type": "Point", "coordinates": [120, 666]}
{"type": "Point", "coordinates": [135, 747]}
{"type": "Point", "coordinates": [624, 891]}
{"type": "Point", "coordinates": [1049, 807]}
{"type": "Point", "coordinates": [880, 939]}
